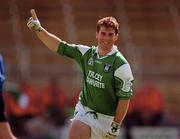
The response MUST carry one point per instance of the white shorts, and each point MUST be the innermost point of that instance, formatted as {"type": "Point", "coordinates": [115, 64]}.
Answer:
{"type": "Point", "coordinates": [99, 123]}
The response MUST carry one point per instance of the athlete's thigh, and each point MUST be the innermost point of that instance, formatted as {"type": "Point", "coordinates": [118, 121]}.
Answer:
{"type": "Point", "coordinates": [79, 130]}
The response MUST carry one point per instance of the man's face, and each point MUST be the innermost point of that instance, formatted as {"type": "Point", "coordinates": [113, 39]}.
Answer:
{"type": "Point", "coordinates": [106, 38]}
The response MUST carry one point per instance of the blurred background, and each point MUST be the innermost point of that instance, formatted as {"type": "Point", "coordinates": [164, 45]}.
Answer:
{"type": "Point", "coordinates": [42, 88]}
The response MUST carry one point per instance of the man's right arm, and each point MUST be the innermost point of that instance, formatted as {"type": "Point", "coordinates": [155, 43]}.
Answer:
{"type": "Point", "coordinates": [50, 40]}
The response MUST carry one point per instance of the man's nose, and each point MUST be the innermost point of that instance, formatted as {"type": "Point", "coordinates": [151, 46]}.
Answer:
{"type": "Point", "coordinates": [106, 37]}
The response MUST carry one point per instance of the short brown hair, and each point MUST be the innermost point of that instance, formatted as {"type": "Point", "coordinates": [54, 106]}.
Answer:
{"type": "Point", "coordinates": [108, 22]}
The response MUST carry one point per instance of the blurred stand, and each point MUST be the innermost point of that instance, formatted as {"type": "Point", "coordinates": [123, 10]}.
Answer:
{"type": "Point", "coordinates": [147, 110]}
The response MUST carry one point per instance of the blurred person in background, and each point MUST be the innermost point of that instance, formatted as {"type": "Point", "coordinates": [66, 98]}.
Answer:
{"type": "Point", "coordinates": [74, 99]}
{"type": "Point", "coordinates": [146, 108]}
{"type": "Point", "coordinates": [54, 102]}
{"type": "Point", "coordinates": [107, 80]}
{"type": "Point", "coordinates": [148, 103]}
{"type": "Point", "coordinates": [5, 131]}
{"type": "Point", "coordinates": [72, 103]}
{"type": "Point", "coordinates": [53, 112]}
{"type": "Point", "coordinates": [22, 104]}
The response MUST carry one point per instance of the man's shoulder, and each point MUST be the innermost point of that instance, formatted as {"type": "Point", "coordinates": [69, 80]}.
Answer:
{"type": "Point", "coordinates": [120, 59]}
{"type": "Point", "coordinates": [84, 48]}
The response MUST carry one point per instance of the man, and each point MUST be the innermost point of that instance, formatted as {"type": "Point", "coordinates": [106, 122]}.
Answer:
{"type": "Point", "coordinates": [107, 80]}
{"type": "Point", "coordinates": [5, 131]}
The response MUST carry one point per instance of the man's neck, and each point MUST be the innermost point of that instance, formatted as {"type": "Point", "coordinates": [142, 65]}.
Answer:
{"type": "Point", "coordinates": [103, 52]}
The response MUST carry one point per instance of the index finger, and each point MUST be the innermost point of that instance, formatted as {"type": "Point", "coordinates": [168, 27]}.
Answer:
{"type": "Point", "coordinates": [33, 13]}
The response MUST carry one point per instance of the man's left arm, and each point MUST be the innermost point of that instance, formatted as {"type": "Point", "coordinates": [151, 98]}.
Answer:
{"type": "Point", "coordinates": [123, 83]}
{"type": "Point", "coordinates": [121, 111]}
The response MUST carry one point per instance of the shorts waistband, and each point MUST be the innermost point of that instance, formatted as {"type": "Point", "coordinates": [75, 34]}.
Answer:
{"type": "Point", "coordinates": [99, 114]}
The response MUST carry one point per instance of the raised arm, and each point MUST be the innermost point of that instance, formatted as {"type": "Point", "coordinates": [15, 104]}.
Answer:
{"type": "Point", "coordinates": [50, 40]}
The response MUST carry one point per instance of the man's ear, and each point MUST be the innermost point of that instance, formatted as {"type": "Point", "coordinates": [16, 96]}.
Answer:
{"type": "Point", "coordinates": [96, 34]}
{"type": "Point", "coordinates": [116, 37]}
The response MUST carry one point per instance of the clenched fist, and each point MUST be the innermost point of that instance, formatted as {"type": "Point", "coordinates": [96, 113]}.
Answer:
{"type": "Point", "coordinates": [113, 132]}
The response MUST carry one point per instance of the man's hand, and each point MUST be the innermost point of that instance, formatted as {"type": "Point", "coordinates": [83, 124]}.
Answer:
{"type": "Point", "coordinates": [33, 22]}
{"type": "Point", "coordinates": [113, 132]}
{"type": "Point", "coordinates": [110, 136]}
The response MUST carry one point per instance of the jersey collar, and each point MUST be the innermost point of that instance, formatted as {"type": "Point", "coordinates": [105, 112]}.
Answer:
{"type": "Point", "coordinates": [108, 54]}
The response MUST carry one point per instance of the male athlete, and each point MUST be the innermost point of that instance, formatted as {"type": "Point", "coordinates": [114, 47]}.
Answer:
{"type": "Point", "coordinates": [5, 131]}
{"type": "Point", "coordinates": [107, 80]}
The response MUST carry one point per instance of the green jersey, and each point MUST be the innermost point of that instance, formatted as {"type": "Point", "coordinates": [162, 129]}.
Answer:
{"type": "Point", "coordinates": [105, 79]}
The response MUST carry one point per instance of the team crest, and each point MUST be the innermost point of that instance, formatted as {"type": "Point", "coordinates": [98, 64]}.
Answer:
{"type": "Point", "coordinates": [90, 61]}
{"type": "Point", "coordinates": [107, 67]}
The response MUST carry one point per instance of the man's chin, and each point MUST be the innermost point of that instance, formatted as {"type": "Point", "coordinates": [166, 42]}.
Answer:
{"type": "Point", "coordinates": [106, 47]}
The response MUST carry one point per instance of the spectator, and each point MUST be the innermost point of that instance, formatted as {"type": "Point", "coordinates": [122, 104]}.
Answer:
{"type": "Point", "coordinates": [145, 109]}
{"type": "Point", "coordinates": [149, 104]}
{"type": "Point", "coordinates": [54, 102]}
{"type": "Point", "coordinates": [72, 103]}
{"type": "Point", "coordinates": [22, 105]}
{"type": "Point", "coordinates": [5, 131]}
{"type": "Point", "coordinates": [53, 113]}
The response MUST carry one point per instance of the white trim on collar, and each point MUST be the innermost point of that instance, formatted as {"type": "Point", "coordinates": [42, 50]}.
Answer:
{"type": "Point", "coordinates": [108, 54]}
